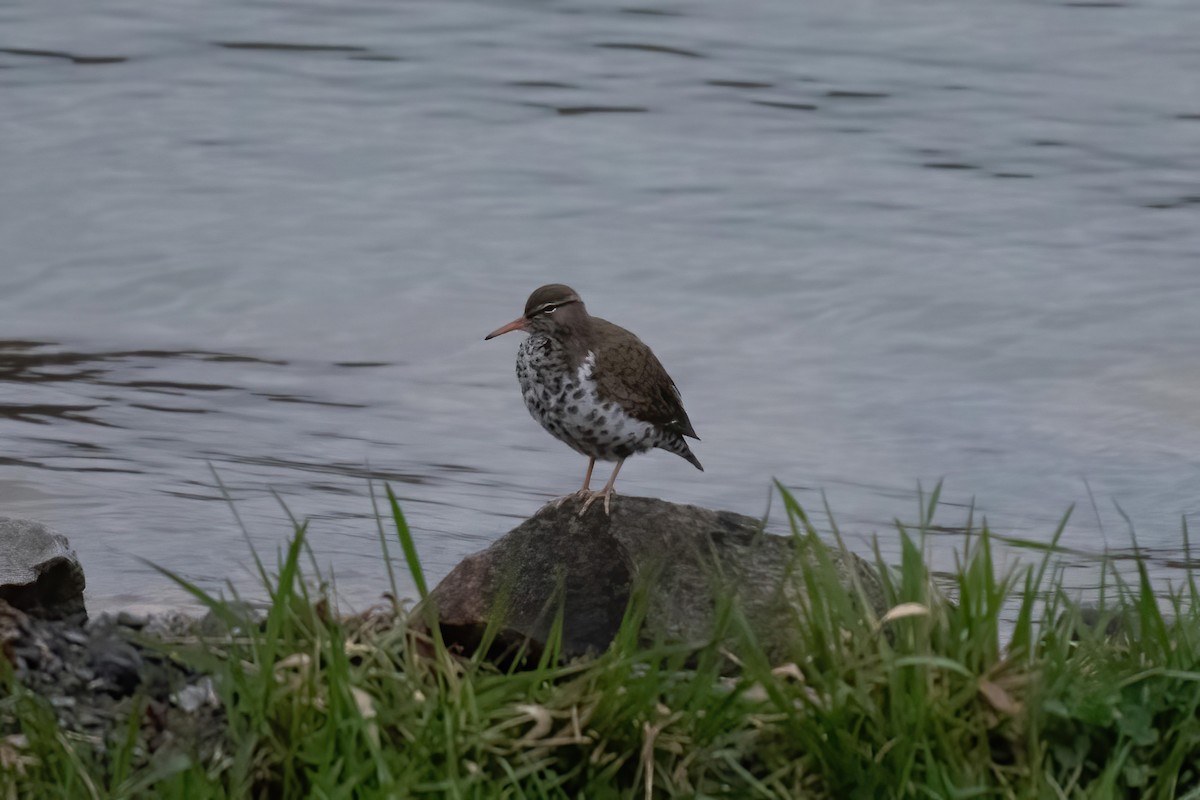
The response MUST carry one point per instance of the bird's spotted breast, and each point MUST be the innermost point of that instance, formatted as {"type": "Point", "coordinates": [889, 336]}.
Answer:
{"type": "Point", "coordinates": [567, 402]}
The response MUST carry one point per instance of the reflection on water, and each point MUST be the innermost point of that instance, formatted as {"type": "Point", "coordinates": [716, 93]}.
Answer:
{"type": "Point", "coordinates": [74, 59]}
{"type": "Point", "coordinates": [874, 246]}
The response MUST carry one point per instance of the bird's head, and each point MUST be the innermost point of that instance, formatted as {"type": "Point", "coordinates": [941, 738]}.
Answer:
{"type": "Point", "coordinates": [552, 309]}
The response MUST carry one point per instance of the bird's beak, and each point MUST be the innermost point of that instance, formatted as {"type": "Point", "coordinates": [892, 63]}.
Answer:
{"type": "Point", "coordinates": [517, 324]}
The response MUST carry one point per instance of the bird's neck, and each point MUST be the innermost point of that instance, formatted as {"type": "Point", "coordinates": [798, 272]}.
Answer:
{"type": "Point", "coordinates": [573, 341]}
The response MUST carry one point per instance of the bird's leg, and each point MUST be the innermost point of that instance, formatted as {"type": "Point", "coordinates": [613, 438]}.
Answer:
{"type": "Point", "coordinates": [587, 477]}
{"type": "Point", "coordinates": [607, 492]}
{"type": "Point", "coordinates": [587, 483]}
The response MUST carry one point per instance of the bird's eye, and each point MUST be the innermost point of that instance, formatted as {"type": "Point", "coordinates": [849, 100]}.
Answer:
{"type": "Point", "coordinates": [550, 310]}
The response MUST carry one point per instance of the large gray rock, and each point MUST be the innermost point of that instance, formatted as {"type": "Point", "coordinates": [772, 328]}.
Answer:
{"type": "Point", "coordinates": [39, 572]}
{"type": "Point", "coordinates": [686, 559]}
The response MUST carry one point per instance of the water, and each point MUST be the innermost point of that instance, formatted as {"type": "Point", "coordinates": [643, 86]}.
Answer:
{"type": "Point", "coordinates": [874, 242]}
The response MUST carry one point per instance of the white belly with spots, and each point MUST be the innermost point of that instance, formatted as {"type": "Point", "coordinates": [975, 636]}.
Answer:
{"type": "Point", "coordinates": [568, 405]}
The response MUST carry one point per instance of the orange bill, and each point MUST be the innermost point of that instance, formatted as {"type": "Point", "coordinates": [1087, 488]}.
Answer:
{"type": "Point", "coordinates": [517, 324]}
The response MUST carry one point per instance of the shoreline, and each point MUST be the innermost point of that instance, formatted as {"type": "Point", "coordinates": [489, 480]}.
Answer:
{"type": "Point", "coordinates": [922, 696]}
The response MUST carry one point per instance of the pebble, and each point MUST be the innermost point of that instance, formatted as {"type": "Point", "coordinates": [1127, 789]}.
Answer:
{"type": "Point", "coordinates": [191, 698]}
{"type": "Point", "coordinates": [28, 657]}
{"type": "Point", "coordinates": [91, 674]}
{"type": "Point", "coordinates": [117, 664]}
{"type": "Point", "coordinates": [75, 636]}
{"type": "Point", "coordinates": [131, 620]}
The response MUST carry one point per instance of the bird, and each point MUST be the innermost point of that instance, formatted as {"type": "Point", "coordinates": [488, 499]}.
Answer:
{"type": "Point", "coordinates": [595, 386]}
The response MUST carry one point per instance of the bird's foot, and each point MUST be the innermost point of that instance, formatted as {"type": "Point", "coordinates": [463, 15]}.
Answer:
{"type": "Point", "coordinates": [581, 495]}
{"type": "Point", "coordinates": [593, 497]}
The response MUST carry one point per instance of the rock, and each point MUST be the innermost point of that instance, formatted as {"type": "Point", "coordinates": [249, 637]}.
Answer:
{"type": "Point", "coordinates": [191, 698]}
{"type": "Point", "coordinates": [95, 678]}
{"type": "Point", "coordinates": [246, 614]}
{"type": "Point", "coordinates": [116, 665]}
{"type": "Point", "coordinates": [131, 620]}
{"type": "Point", "coordinates": [75, 637]}
{"type": "Point", "coordinates": [14, 627]}
{"type": "Point", "coordinates": [686, 557]}
{"type": "Point", "coordinates": [39, 572]}
{"type": "Point", "coordinates": [1090, 617]}
{"type": "Point", "coordinates": [170, 625]}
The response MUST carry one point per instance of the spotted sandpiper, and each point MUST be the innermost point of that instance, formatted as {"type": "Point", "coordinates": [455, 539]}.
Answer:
{"type": "Point", "coordinates": [595, 386]}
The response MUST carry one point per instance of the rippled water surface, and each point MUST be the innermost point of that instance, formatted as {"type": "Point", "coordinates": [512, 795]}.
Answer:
{"type": "Point", "coordinates": [875, 242]}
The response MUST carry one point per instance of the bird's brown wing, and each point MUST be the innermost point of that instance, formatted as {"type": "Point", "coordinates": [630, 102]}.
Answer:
{"type": "Point", "coordinates": [630, 374]}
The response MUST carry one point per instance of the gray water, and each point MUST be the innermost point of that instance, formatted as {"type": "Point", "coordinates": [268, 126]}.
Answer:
{"type": "Point", "coordinates": [876, 243]}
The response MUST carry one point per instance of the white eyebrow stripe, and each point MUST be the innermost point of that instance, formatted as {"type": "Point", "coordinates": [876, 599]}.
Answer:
{"type": "Point", "coordinates": [552, 304]}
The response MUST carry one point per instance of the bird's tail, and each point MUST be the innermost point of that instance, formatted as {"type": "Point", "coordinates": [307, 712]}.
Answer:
{"type": "Point", "coordinates": [679, 447]}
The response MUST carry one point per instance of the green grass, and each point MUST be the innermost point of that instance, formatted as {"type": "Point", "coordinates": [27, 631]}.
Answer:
{"type": "Point", "coordinates": [1004, 693]}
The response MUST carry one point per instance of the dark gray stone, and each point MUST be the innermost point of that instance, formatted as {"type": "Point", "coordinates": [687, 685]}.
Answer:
{"type": "Point", "coordinates": [39, 572]}
{"type": "Point", "coordinates": [117, 664]}
{"type": "Point", "coordinates": [75, 637]}
{"type": "Point", "coordinates": [95, 678]}
{"type": "Point", "coordinates": [687, 559]}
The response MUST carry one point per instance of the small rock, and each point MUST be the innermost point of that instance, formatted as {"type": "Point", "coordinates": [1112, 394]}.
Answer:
{"type": "Point", "coordinates": [213, 625]}
{"type": "Point", "coordinates": [27, 657]}
{"type": "Point", "coordinates": [117, 665]}
{"type": "Point", "coordinates": [75, 637]}
{"type": "Point", "coordinates": [170, 625]}
{"type": "Point", "coordinates": [90, 675]}
{"type": "Point", "coordinates": [130, 620]}
{"type": "Point", "coordinates": [39, 572]}
{"type": "Point", "coordinates": [191, 698]}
